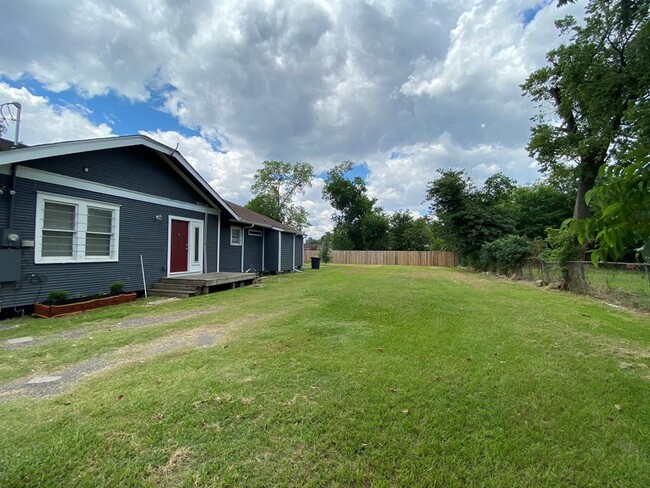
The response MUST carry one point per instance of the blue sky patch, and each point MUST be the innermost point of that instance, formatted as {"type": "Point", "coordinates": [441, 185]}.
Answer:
{"type": "Point", "coordinates": [529, 14]}
{"type": "Point", "coordinates": [359, 169]}
{"type": "Point", "coordinates": [122, 115]}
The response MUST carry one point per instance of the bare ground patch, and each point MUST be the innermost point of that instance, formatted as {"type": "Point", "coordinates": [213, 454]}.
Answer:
{"type": "Point", "coordinates": [45, 385]}
{"type": "Point", "coordinates": [134, 323]}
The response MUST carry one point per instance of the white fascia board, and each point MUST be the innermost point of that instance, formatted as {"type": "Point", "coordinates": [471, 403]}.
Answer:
{"type": "Point", "coordinates": [257, 224]}
{"type": "Point", "coordinates": [67, 181]}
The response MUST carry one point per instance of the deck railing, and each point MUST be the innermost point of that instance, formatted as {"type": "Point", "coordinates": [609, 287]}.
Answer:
{"type": "Point", "coordinates": [448, 259]}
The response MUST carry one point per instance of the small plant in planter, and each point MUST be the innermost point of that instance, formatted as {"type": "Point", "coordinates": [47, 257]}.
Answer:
{"type": "Point", "coordinates": [56, 297]}
{"type": "Point", "coordinates": [117, 288]}
{"type": "Point", "coordinates": [59, 301]}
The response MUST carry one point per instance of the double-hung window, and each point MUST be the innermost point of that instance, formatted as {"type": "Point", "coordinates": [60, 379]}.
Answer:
{"type": "Point", "coordinates": [235, 236]}
{"type": "Point", "coordinates": [75, 230]}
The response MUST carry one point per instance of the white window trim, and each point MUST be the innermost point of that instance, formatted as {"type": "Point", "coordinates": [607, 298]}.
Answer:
{"type": "Point", "coordinates": [255, 232]}
{"type": "Point", "coordinates": [241, 235]}
{"type": "Point", "coordinates": [79, 244]}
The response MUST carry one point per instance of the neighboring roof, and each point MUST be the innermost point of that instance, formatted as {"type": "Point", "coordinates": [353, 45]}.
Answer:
{"type": "Point", "coordinates": [6, 145]}
{"type": "Point", "coordinates": [172, 156]}
{"type": "Point", "coordinates": [250, 217]}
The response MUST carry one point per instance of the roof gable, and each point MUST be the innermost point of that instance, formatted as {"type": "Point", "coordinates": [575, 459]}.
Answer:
{"type": "Point", "coordinates": [171, 156]}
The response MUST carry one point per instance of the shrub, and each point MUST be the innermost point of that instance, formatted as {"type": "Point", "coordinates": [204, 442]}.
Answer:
{"type": "Point", "coordinates": [57, 296]}
{"type": "Point", "coordinates": [325, 255]}
{"type": "Point", "coordinates": [561, 246]}
{"type": "Point", "coordinates": [505, 254]}
{"type": "Point", "coordinates": [117, 287]}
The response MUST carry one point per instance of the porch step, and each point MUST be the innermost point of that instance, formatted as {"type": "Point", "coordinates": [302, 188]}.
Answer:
{"type": "Point", "coordinates": [176, 286]}
{"type": "Point", "coordinates": [180, 281]}
{"type": "Point", "coordinates": [157, 292]}
{"type": "Point", "coordinates": [174, 289]}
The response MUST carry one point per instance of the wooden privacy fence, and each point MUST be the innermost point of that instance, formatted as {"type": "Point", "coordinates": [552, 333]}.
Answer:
{"type": "Point", "coordinates": [447, 259]}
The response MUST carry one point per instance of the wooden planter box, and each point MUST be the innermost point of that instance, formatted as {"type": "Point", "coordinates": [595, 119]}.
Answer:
{"type": "Point", "coordinates": [49, 311]}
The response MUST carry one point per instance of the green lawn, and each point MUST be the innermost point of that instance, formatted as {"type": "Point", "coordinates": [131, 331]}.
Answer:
{"type": "Point", "coordinates": [346, 376]}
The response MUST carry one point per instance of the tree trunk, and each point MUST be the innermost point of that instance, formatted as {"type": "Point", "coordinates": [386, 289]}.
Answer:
{"type": "Point", "coordinates": [589, 167]}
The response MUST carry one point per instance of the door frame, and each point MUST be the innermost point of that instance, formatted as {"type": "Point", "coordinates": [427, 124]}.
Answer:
{"type": "Point", "coordinates": [193, 267]}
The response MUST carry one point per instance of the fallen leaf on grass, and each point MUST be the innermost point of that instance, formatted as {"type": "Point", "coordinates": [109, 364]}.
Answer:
{"type": "Point", "coordinates": [405, 411]}
{"type": "Point", "coordinates": [159, 416]}
{"type": "Point", "coordinates": [393, 390]}
{"type": "Point", "coordinates": [618, 407]}
{"type": "Point", "coordinates": [120, 397]}
{"type": "Point", "coordinates": [380, 349]}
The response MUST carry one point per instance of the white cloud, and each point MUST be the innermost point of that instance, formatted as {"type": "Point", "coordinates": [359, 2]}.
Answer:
{"type": "Point", "coordinates": [43, 121]}
{"type": "Point", "coordinates": [436, 81]}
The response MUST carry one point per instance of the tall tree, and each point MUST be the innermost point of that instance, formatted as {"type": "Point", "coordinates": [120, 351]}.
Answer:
{"type": "Point", "coordinates": [539, 206]}
{"type": "Point", "coordinates": [469, 217]}
{"type": "Point", "coordinates": [410, 234]}
{"type": "Point", "coordinates": [359, 224]}
{"type": "Point", "coordinates": [621, 218]}
{"type": "Point", "coordinates": [276, 185]}
{"type": "Point", "coordinates": [595, 84]}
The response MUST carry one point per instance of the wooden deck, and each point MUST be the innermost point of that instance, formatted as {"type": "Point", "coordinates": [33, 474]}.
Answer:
{"type": "Point", "coordinates": [210, 279]}
{"type": "Point", "coordinates": [188, 285]}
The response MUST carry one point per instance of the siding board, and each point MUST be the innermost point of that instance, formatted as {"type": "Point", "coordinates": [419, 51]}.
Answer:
{"type": "Point", "coordinates": [140, 233]}
{"type": "Point", "coordinates": [253, 250]}
{"type": "Point", "coordinates": [135, 168]}
{"type": "Point", "coordinates": [230, 255]}
{"type": "Point", "coordinates": [287, 252]}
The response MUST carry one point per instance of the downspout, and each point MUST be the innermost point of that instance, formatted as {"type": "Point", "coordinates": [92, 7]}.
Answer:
{"type": "Point", "coordinates": [243, 244]}
{"type": "Point", "coordinates": [302, 257]}
{"type": "Point", "coordinates": [263, 248]}
{"type": "Point", "coordinates": [205, 242]}
{"type": "Point", "coordinates": [279, 251]}
{"type": "Point", "coordinates": [219, 242]}
{"type": "Point", "coordinates": [293, 253]}
{"type": "Point", "coordinates": [12, 194]}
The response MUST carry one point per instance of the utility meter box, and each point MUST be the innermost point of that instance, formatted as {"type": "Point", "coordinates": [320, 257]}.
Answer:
{"type": "Point", "coordinates": [10, 265]}
{"type": "Point", "coordinates": [9, 238]}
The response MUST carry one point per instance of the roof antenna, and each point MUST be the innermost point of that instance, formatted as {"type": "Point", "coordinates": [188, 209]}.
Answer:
{"type": "Point", "coordinates": [11, 118]}
{"type": "Point", "coordinates": [175, 149]}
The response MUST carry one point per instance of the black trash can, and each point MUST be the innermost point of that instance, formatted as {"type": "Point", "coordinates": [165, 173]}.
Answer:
{"type": "Point", "coordinates": [315, 263]}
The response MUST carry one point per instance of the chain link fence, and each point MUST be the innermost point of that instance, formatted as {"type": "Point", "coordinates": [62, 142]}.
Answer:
{"type": "Point", "coordinates": [623, 283]}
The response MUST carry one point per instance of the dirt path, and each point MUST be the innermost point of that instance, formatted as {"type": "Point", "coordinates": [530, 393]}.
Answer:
{"type": "Point", "coordinates": [133, 323]}
{"type": "Point", "coordinates": [57, 382]}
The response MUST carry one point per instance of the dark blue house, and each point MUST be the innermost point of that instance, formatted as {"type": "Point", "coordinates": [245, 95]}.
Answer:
{"type": "Point", "coordinates": [81, 215]}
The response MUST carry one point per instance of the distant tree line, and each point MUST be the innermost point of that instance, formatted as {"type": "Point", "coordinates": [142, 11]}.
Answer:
{"type": "Point", "coordinates": [591, 138]}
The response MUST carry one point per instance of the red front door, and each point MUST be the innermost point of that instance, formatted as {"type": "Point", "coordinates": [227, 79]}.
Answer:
{"type": "Point", "coordinates": [179, 246]}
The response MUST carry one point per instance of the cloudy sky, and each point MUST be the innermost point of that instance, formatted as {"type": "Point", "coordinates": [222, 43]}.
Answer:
{"type": "Point", "coordinates": [400, 87]}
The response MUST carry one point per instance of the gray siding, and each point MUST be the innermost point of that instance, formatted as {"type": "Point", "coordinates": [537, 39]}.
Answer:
{"type": "Point", "coordinates": [287, 252]}
{"type": "Point", "coordinates": [253, 250]}
{"type": "Point", "coordinates": [135, 168]}
{"type": "Point", "coordinates": [230, 255]}
{"type": "Point", "coordinates": [140, 234]}
{"type": "Point", "coordinates": [4, 202]}
{"type": "Point", "coordinates": [298, 251]}
{"type": "Point", "coordinates": [271, 251]}
{"type": "Point", "coordinates": [212, 233]}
